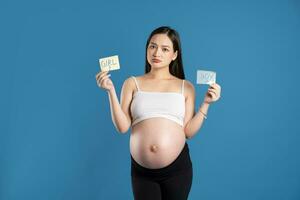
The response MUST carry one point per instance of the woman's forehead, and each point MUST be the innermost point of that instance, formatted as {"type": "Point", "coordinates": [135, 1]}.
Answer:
{"type": "Point", "coordinates": [161, 40]}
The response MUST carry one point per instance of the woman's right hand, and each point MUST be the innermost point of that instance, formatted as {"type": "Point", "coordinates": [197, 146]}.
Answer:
{"type": "Point", "coordinates": [103, 80]}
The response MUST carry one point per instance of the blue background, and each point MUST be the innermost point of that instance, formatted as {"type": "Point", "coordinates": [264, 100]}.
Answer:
{"type": "Point", "coordinates": [57, 137]}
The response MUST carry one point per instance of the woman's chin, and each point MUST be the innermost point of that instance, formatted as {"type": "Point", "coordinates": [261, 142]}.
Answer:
{"type": "Point", "coordinates": [157, 65]}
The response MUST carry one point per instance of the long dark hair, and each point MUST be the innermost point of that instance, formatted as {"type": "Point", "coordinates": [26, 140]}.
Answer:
{"type": "Point", "coordinates": [175, 67]}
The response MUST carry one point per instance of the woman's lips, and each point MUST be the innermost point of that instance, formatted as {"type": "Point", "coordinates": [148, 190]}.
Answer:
{"type": "Point", "coordinates": [156, 60]}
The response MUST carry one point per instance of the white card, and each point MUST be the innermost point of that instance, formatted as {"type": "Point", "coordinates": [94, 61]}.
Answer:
{"type": "Point", "coordinates": [109, 63]}
{"type": "Point", "coordinates": [206, 77]}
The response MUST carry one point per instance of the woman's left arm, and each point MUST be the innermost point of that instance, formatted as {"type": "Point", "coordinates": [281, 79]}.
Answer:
{"type": "Point", "coordinates": [193, 121]}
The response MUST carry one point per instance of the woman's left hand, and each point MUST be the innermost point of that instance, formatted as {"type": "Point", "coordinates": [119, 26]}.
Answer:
{"type": "Point", "coordinates": [213, 93]}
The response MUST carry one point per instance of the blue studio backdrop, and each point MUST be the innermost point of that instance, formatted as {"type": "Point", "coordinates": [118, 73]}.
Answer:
{"type": "Point", "coordinates": [57, 138]}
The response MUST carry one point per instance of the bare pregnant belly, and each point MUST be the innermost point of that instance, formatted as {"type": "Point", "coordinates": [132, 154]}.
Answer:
{"type": "Point", "coordinates": [156, 142]}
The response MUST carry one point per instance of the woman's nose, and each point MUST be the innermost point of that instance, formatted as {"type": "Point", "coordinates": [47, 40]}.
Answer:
{"type": "Point", "coordinates": [156, 52]}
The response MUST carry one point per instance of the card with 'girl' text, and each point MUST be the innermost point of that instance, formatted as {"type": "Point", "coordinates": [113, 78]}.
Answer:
{"type": "Point", "coordinates": [109, 63]}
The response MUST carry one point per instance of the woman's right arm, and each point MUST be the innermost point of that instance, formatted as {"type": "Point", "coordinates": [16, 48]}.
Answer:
{"type": "Point", "coordinates": [120, 114]}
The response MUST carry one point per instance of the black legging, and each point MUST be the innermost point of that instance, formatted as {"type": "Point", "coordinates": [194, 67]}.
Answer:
{"type": "Point", "coordinates": [172, 182]}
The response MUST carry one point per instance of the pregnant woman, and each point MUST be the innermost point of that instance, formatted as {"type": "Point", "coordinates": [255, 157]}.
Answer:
{"type": "Point", "coordinates": [159, 108]}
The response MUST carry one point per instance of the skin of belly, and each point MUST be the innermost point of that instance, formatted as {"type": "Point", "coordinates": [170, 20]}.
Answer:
{"type": "Point", "coordinates": [156, 142]}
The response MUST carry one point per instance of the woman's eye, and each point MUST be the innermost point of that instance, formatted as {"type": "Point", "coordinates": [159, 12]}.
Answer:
{"type": "Point", "coordinates": [151, 46]}
{"type": "Point", "coordinates": [164, 49]}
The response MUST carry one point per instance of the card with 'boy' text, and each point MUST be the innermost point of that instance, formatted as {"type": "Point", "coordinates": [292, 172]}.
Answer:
{"type": "Point", "coordinates": [206, 77]}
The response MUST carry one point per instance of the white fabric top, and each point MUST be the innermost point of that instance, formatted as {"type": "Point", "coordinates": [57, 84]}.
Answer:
{"type": "Point", "coordinates": [170, 105]}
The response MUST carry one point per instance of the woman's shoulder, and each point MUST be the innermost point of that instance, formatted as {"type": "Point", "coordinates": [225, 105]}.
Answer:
{"type": "Point", "coordinates": [129, 82]}
{"type": "Point", "coordinates": [132, 77]}
{"type": "Point", "coordinates": [189, 87]}
{"type": "Point", "coordinates": [188, 83]}
{"type": "Point", "coordinates": [135, 76]}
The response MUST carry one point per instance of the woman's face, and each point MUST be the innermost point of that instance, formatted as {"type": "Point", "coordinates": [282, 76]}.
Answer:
{"type": "Point", "coordinates": [160, 52]}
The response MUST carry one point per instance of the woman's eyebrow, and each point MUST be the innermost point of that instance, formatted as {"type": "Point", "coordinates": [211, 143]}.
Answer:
{"type": "Point", "coordinates": [161, 45]}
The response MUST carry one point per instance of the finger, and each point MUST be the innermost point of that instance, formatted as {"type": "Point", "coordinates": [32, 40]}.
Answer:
{"type": "Point", "coordinates": [101, 73]}
{"type": "Point", "coordinates": [217, 95]}
{"type": "Point", "coordinates": [212, 91]}
{"type": "Point", "coordinates": [99, 80]}
{"type": "Point", "coordinates": [215, 86]}
{"type": "Point", "coordinates": [97, 75]}
{"type": "Point", "coordinates": [104, 82]}
{"type": "Point", "coordinates": [104, 78]}
{"type": "Point", "coordinates": [212, 95]}
{"type": "Point", "coordinates": [217, 91]}
{"type": "Point", "coordinates": [101, 76]}
{"type": "Point", "coordinates": [212, 86]}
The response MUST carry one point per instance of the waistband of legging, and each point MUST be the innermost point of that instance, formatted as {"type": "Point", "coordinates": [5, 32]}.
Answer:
{"type": "Point", "coordinates": [175, 166]}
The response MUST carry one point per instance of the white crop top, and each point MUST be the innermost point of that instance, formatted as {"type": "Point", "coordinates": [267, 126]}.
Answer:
{"type": "Point", "coordinates": [145, 105]}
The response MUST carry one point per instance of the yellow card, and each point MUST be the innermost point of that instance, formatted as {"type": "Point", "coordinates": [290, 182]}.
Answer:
{"type": "Point", "coordinates": [109, 63]}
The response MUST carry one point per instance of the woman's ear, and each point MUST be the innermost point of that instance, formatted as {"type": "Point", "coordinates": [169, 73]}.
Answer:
{"type": "Point", "coordinates": [175, 55]}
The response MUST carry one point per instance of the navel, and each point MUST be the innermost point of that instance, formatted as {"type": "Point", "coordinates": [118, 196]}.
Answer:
{"type": "Point", "coordinates": [153, 148]}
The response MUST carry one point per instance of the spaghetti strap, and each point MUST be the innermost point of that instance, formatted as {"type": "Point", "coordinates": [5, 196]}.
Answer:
{"type": "Point", "coordinates": [137, 85]}
{"type": "Point", "coordinates": [182, 89]}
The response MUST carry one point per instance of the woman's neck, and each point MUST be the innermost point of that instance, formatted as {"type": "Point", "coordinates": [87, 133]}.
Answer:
{"type": "Point", "coordinates": [160, 74]}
